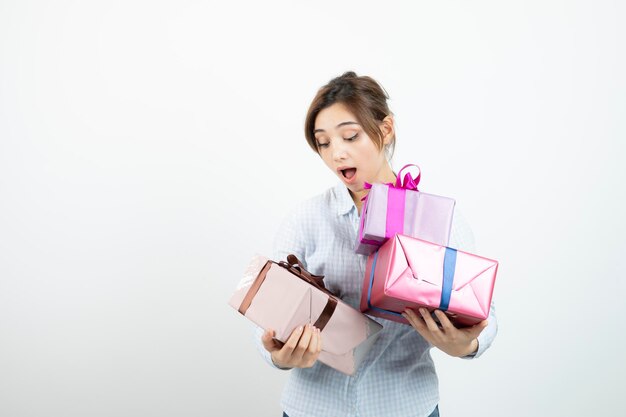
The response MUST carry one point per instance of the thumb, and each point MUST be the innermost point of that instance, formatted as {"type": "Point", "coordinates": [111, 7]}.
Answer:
{"type": "Point", "coordinates": [476, 329]}
{"type": "Point", "coordinates": [268, 340]}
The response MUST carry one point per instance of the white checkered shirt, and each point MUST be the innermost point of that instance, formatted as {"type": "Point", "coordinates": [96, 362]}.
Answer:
{"type": "Point", "coordinates": [397, 377]}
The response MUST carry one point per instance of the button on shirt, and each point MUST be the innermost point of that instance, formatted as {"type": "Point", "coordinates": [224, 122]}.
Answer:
{"type": "Point", "coordinates": [397, 377]}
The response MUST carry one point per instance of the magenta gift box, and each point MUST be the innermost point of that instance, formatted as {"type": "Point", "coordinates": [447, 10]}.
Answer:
{"type": "Point", "coordinates": [283, 295]}
{"type": "Point", "coordinates": [400, 208]}
{"type": "Point", "coordinates": [411, 273]}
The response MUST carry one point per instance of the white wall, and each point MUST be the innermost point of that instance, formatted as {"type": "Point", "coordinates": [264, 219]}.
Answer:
{"type": "Point", "coordinates": [148, 149]}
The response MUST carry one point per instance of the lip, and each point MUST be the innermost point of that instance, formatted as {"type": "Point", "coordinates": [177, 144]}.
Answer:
{"type": "Point", "coordinates": [347, 181]}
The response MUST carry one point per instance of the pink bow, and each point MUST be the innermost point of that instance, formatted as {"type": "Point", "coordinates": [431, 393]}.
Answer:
{"type": "Point", "coordinates": [408, 182]}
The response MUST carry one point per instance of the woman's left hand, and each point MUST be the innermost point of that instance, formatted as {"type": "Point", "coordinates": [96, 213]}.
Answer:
{"type": "Point", "coordinates": [453, 341]}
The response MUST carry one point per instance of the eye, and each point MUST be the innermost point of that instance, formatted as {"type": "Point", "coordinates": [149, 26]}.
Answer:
{"type": "Point", "coordinates": [350, 139]}
{"type": "Point", "coordinates": [322, 145]}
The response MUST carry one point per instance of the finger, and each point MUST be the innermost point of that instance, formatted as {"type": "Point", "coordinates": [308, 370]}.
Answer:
{"type": "Point", "coordinates": [430, 323]}
{"type": "Point", "coordinates": [312, 352]}
{"type": "Point", "coordinates": [319, 341]}
{"type": "Point", "coordinates": [292, 342]}
{"type": "Point", "coordinates": [416, 321]}
{"type": "Point", "coordinates": [268, 340]}
{"type": "Point", "coordinates": [445, 321]}
{"type": "Point", "coordinates": [476, 329]}
{"type": "Point", "coordinates": [418, 324]}
{"type": "Point", "coordinates": [312, 348]}
{"type": "Point", "coordinates": [303, 344]}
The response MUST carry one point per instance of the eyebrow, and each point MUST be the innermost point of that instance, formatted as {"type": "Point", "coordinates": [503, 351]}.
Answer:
{"type": "Point", "coordinates": [339, 125]}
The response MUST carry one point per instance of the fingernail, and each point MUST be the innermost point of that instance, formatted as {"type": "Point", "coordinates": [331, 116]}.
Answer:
{"type": "Point", "coordinates": [423, 310]}
{"type": "Point", "coordinates": [300, 328]}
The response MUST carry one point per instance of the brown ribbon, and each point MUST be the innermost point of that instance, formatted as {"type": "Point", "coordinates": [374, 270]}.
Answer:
{"type": "Point", "coordinates": [294, 266]}
{"type": "Point", "coordinates": [254, 288]}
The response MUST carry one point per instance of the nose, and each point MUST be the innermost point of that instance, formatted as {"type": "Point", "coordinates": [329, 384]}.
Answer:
{"type": "Point", "coordinates": [339, 151]}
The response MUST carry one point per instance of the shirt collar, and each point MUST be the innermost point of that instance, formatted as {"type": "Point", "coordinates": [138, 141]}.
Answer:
{"type": "Point", "coordinates": [344, 200]}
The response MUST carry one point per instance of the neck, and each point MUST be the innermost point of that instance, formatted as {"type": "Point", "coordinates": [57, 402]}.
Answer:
{"type": "Point", "coordinates": [386, 175]}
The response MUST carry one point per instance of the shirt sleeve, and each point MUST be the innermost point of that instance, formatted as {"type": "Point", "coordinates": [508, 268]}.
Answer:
{"type": "Point", "coordinates": [461, 237]}
{"type": "Point", "coordinates": [288, 240]}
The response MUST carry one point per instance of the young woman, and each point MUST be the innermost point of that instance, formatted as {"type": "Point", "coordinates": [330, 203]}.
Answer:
{"type": "Point", "coordinates": [352, 129]}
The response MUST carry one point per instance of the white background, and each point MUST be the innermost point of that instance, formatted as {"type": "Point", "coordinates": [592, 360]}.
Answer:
{"type": "Point", "coordinates": [148, 149]}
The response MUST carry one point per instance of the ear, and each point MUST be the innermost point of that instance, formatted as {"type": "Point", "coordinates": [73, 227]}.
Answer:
{"type": "Point", "coordinates": [388, 129]}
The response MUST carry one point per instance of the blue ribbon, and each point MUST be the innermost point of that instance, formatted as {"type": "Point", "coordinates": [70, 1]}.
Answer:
{"type": "Point", "coordinates": [369, 291]}
{"type": "Point", "coordinates": [449, 266]}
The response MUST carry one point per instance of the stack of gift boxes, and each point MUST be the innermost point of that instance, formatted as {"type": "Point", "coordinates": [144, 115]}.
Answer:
{"type": "Point", "coordinates": [405, 234]}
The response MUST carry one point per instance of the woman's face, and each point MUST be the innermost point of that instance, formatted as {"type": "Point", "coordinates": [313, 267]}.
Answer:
{"type": "Point", "coordinates": [347, 150]}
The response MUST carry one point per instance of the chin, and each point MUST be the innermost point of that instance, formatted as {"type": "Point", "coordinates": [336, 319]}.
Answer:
{"type": "Point", "coordinates": [355, 188]}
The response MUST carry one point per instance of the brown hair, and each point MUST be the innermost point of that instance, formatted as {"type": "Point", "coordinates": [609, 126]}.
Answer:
{"type": "Point", "coordinates": [362, 95]}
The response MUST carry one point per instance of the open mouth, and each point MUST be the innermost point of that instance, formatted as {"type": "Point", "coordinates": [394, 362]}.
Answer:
{"type": "Point", "coordinates": [348, 173]}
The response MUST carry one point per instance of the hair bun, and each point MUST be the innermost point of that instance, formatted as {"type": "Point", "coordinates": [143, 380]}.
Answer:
{"type": "Point", "coordinates": [348, 74]}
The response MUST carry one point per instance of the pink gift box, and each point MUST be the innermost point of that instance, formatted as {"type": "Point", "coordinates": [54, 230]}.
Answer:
{"type": "Point", "coordinates": [283, 296]}
{"type": "Point", "coordinates": [390, 209]}
{"type": "Point", "coordinates": [411, 273]}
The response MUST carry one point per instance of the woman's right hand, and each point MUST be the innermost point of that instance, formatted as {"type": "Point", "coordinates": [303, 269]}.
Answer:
{"type": "Point", "coordinates": [299, 351]}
